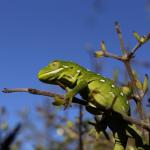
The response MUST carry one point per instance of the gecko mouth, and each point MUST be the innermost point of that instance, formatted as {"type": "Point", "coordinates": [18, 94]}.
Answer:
{"type": "Point", "coordinates": [46, 75]}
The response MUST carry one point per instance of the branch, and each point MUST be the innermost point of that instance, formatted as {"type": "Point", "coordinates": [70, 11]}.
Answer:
{"type": "Point", "coordinates": [80, 125]}
{"type": "Point", "coordinates": [118, 30]}
{"type": "Point", "coordinates": [44, 93]}
{"type": "Point", "coordinates": [141, 42]}
{"type": "Point", "coordinates": [108, 54]}
{"type": "Point", "coordinates": [131, 120]}
{"type": "Point", "coordinates": [75, 100]}
{"type": "Point", "coordinates": [126, 59]}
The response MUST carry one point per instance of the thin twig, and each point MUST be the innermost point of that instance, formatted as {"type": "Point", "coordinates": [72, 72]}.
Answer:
{"type": "Point", "coordinates": [44, 93]}
{"type": "Point", "coordinates": [149, 132]}
{"type": "Point", "coordinates": [108, 54]}
{"type": "Point", "coordinates": [75, 100]}
{"type": "Point", "coordinates": [118, 30]}
{"type": "Point", "coordinates": [80, 127]}
{"type": "Point", "coordinates": [138, 45]}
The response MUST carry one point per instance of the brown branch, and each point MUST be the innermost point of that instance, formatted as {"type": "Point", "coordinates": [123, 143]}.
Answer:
{"type": "Point", "coordinates": [80, 127]}
{"type": "Point", "coordinates": [138, 98]}
{"type": "Point", "coordinates": [126, 59]}
{"type": "Point", "coordinates": [44, 93]}
{"type": "Point", "coordinates": [108, 54]}
{"type": "Point", "coordinates": [75, 100]}
{"type": "Point", "coordinates": [131, 120]}
{"type": "Point", "coordinates": [118, 30]}
{"type": "Point", "coordinates": [138, 45]}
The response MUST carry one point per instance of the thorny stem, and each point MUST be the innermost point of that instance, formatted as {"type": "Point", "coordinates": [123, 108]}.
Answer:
{"type": "Point", "coordinates": [75, 100]}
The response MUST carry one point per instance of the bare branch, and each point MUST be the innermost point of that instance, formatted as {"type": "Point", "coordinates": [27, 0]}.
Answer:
{"type": "Point", "coordinates": [75, 100]}
{"type": "Point", "coordinates": [131, 120]}
{"type": "Point", "coordinates": [126, 59]}
{"type": "Point", "coordinates": [44, 93]}
{"type": "Point", "coordinates": [80, 125]}
{"type": "Point", "coordinates": [140, 43]}
{"type": "Point", "coordinates": [118, 30]}
{"type": "Point", "coordinates": [108, 54]}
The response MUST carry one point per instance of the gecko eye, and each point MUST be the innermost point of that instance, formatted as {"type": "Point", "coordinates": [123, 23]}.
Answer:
{"type": "Point", "coordinates": [54, 64]}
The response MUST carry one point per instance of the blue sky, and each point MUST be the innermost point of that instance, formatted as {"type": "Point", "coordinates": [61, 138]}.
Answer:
{"type": "Point", "coordinates": [34, 32]}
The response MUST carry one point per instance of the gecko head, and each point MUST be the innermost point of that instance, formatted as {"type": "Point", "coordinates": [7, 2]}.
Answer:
{"type": "Point", "coordinates": [49, 73]}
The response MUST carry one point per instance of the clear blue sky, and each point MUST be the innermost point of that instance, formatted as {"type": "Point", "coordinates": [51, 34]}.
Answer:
{"type": "Point", "coordinates": [34, 32]}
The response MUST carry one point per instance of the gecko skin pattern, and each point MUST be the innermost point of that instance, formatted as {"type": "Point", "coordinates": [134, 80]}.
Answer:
{"type": "Point", "coordinates": [93, 87]}
{"type": "Point", "coordinates": [96, 89]}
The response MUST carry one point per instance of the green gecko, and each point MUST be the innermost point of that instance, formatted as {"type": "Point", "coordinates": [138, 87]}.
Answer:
{"type": "Point", "coordinates": [96, 89]}
{"type": "Point", "coordinates": [93, 87]}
